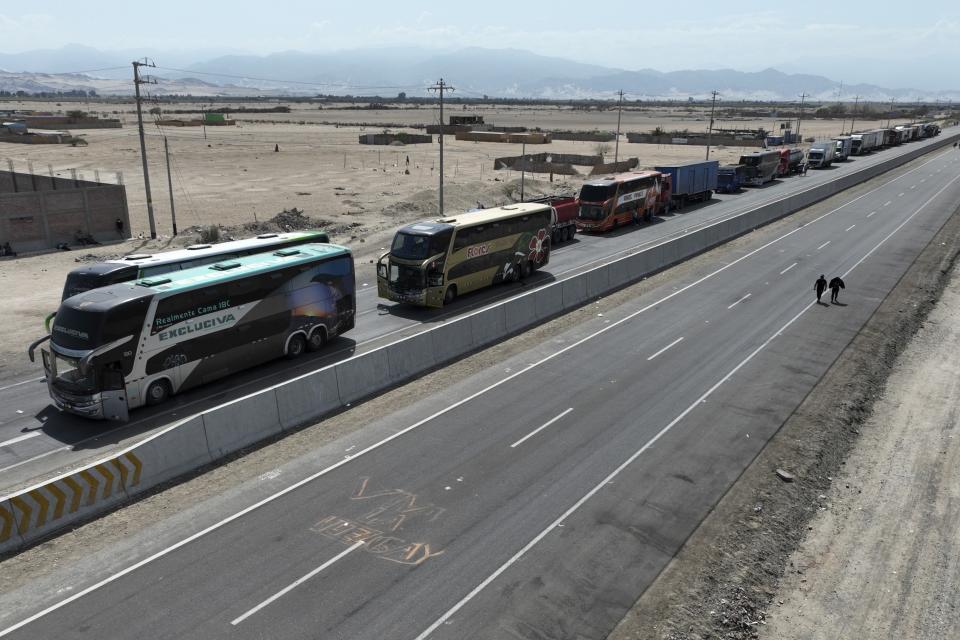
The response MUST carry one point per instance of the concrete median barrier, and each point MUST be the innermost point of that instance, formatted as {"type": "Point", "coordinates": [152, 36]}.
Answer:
{"type": "Point", "coordinates": [177, 450]}
{"type": "Point", "coordinates": [488, 326]}
{"type": "Point", "coordinates": [574, 291]}
{"type": "Point", "coordinates": [410, 357]}
{"type": "Point", "coordinates": [548, 301]}
{"type": "Point", "coordinates": [598, 281]}
{"type": "Point", "coordinates": [10, 539]}
{"type": "Point", "coordinates": [307, 398]}
{"type": "Point", "coordinates": [238, 424]}
{"type": "Point", "coordinates": [519, 313]}
{"type": "Point", "coordinates": [451, 340]}
{"type": "Point", "coordinates": [362, 375]}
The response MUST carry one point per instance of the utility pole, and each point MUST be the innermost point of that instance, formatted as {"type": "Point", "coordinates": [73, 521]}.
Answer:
{"type": "Point", "coordinates": [137, 81]}
{"type": "Point", "coordinates": [853, 117]}
{"type": "Point", "coordinates": [713, 106]}
{"type": "Point", "coordinates": [440, 87]}
{"type": "Point", "coordinates": [523, 168]}
{"type": "Point", "coordinates": [890, 112]}
{"type": "Point", "coordinates": [173, 211]}
{"type": "Point", "coordinates": [616, 143]}
{"type": "Point", "coordinates": [803, 96]}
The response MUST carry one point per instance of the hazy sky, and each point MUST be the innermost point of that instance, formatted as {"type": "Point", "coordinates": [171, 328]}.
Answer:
{"type": "Point", "coordinates": [892, 44]}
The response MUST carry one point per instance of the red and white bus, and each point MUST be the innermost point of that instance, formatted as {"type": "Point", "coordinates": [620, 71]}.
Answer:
{"type": "Point", "coordinates": [610, 202]}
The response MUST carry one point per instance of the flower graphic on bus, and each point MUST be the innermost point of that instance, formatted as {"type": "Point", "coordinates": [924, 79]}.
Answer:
{"type": "Point", "coordinates": [537, 246]}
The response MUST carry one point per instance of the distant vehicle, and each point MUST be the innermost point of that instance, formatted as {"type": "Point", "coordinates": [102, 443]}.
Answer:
{"type": "Point", "coordinates": [761, 167]}
{"type": "Point", "coordinates": [730, 178]}
{"type": "Point", "coordinates": [125, 345]}
{"type": "Point", "coordinates": [431, 263]}
{"type": "Point", "coordinates": [689, 181]}
{"type": "Point", "coordinates": [610, 202]}
{"type": "Point", "coordinates": [791, 161]}
{"type": "Point", "coordinates": [866, 142]}
{"type": "Point", "coordinates": [821, 154]}
{"type": "Point", "coordinates": [565, 223]}
{"type": "Point", "coordinates": [909, 132]}
{"type": "Point", "coordinates": [143, 265]}
{"type": "Point", "coordinates": [844, 145]}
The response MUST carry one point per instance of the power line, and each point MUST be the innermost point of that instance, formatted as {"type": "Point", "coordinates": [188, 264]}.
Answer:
{"type": "Point", "coordinates": [303, 82]}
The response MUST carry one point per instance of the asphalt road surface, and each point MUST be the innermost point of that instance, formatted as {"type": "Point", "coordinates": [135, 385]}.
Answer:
{"type": "Point", "coordinates": [542, 505]}
{"type": "Point", "coordinates": [37, 441]}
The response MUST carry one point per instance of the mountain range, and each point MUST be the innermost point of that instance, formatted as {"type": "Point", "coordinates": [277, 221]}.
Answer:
{"type": "Point", "coordinates": [473, 72]}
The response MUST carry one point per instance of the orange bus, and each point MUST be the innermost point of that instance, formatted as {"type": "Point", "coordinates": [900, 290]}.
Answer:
{"type": "Point", "coordinates": [626, 197]}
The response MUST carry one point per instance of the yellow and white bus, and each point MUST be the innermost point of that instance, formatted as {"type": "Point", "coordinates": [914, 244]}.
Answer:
{"type": "Point", "coordinates": [431, 263]}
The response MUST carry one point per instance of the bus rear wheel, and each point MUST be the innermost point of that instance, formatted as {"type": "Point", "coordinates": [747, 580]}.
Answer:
{"type": "Point", "coordinates": [157, 392]}
{"type": "Point", "coordinates": [450, 294]}
{"type": "Point", "coordinates": [296, 346]}
{"type": "Point", "coordinates": [317, 339]}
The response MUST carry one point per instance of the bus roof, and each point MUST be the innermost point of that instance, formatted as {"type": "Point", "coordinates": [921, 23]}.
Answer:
{"type": "Point", "coordinates": [621, 177]}
{"type": "Point", "coordinates": [200, 250]}
{"type": "Point", "coordinates": [480, 216]}
{"type": "Point", "coordinates": [203, 276]}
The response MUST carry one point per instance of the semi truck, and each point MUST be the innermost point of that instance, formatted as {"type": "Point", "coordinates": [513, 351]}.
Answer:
{"type": "Point", "coordinates": [689, 181]}
{"type": "Point", "coordinates": [791, 161]}
{"type": "Point", "coordinates": [843, 148]}
{"type": "Point", "coordinates": [761, 167]}
{"type": "Point", "coordinates": [821, 154]}
{"type": "Point", "coordinates": [866, 141]}
{"type": "Point", "coordinates": [731, 177]}
{"type": "Point", "coordinates": [565, 222]}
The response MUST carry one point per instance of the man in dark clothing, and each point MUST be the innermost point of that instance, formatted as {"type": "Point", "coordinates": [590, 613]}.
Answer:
{"type": "Point", "coordinates": [820, 286]}
{"type": "Point", "coordinates": [835, 285]}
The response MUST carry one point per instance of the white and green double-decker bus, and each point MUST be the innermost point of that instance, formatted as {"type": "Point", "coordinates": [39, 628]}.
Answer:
{"type": "Point", "coordinates": [431, 263]}
{"type": "Point", "coordinates": [118, 347]}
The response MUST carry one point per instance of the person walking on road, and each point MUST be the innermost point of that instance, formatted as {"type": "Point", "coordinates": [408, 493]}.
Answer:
{"type": "Point", "coordinates": [835, 285]}
{"type": "Point", "coordinates": [820, 286]}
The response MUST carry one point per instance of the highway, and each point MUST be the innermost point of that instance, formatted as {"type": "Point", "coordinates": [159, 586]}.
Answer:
{"type": "Point", "coordinates": [543, 503]}
{"type": "Point", "coordinates": [37, 441]}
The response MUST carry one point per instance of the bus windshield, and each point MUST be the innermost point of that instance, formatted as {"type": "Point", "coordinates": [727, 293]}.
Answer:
{"type": "Point", "coordinates": [750, 161]}
{"type": "Point", "coordinates": [597, 192]}
{"type": "Point", "coordinates": [410, 246]}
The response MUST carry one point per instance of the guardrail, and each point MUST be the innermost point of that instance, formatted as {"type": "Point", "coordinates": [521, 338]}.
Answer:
{"type": "Point", "coordinates": [185, 446]}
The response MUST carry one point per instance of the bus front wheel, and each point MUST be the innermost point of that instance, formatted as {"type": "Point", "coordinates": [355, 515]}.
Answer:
{"type": "Point", "coordinates": [450, 294]}
{"type": "Point", "coordinates": [296, 346]}
{"type": "Point", "coordinates": [158, 392]}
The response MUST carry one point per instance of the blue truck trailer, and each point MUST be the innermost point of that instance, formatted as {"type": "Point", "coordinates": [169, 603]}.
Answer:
{"type": "Point", "coordinates": [690, 181]}
{"type": "Point", "coordinates": [730, 178]}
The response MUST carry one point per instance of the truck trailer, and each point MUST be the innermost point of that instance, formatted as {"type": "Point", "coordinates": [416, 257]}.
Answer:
{"type": "Point", "coordinates": [690, 181]}
{"type": "Point", "coordinates": [565, 221]}
{"type": "Point", "coordinates": [791, 161]}
{"type": "Point", "coordinates": [821, 154]}
{"type": "Point", "coordinates": [730, 177]}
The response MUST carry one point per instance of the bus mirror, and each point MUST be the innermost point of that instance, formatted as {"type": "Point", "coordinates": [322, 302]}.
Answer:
{"type": "Point", "coordinates": [381, 270]}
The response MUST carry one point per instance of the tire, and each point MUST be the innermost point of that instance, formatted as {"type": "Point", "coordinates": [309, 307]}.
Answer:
{"type": "Point", "coordinates": [557, 235]}
{"type": "Point", "coordinates": [571, 231]}
{"type": "Point", "coordinates": [450, 294]}
{"type": "Point", "coordinates": [564, 235]}
{"type": "Point", "coordinates": [709, 195]}
{"type": "Point", "coordinates": [158, 392]}
{"type": "Point", "coordinates": [525, 269]}
{"type": "Point", "coordinates": [296, 347]}
{"type": "Point", "coordinates": [317, 339]}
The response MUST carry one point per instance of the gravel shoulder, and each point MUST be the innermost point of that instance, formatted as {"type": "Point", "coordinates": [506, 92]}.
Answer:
{"type": "Point", "coordinates": [861, 543]}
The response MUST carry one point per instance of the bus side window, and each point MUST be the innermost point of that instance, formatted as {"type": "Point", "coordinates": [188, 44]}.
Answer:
{"type": "Point", "coordinates": [463, 238]}
{"type": "Point", "coordinates": [149, 272]}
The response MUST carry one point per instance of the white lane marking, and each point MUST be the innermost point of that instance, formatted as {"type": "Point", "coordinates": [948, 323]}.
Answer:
{"type": "Point", "coordinates": [887, 203]}
{"type": "Point", "coordinates": [539, 429]}
{"type": "Point", "coordinates": [34, 458]}
{"type": "Point", "coordinates": [871, 213]}
{"type": "Point", "coordinates": [923, 180]}
{"type": "Point", "coordinates": [26, 436]}
{"type": "Point", "coordinates": [913, 186]}
{"type": "Point", "coordinates": [900, 195]}
{"type": "Point", "coordinates": [851, 227]}
{"type": "Point", "coordinates": [823, 245]}
{"type": "Point", "coordinates": [296, 485]}
{"type": "Point", "coordinates": [22, 382]}
{"type": "Point", "coordinates": [566, 514]}
{"type": "Point", "coordinates": [675, 342]}
{"type": "Point", "coordinates": [295, 584]}
{"type": "Point", "coordinates": [788, 268]}
{"type": "Point", "coordinates": [739, 301]}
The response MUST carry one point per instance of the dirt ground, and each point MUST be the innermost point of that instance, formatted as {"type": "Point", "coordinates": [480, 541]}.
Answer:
{"type": "Point", "coordinates": [862, 545]}
{"type": "Point", "coordinates": [231, 176]}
